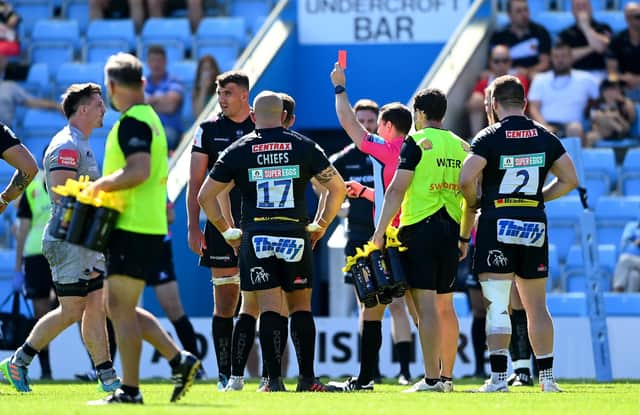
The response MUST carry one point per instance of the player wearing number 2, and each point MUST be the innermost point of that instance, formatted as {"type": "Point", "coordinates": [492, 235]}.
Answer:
{"type": "Point", "coordinates": [511, 159]}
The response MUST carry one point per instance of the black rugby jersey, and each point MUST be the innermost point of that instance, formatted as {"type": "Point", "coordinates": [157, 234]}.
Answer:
{"type": "Point", "coordinates": [7, 138]}
{"type": "Point", "coordinates": [271, 167]}
{"type": "Point", "coordinates": [353, 164]}
{"type": "Point", "coordinates": [519, 153]}
{"type": "Point", "coordinates": [212, 137]}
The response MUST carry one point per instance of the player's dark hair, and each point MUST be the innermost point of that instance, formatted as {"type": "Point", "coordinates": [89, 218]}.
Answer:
{"type": "Point", "coordinates": [76, 95]}
{"type": "Point", "coordinates": [366, 105]}
{"type": "Point", "coordinates": [432, 102]}
{"type": "Point", "coordinates": [289, 105]}
{"type": "Point", "coordinates": [508, 91]}
{"type": "Point", "coordinates": [124, 69]}
{"type": "Point", "coordinates": [233, 77]}
{"type": "Point", "coordinates": [399, 116]}
{"type": "Point", "coordinates": [561, 44]}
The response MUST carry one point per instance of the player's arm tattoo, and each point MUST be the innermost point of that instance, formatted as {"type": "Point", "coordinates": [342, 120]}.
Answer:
{"type": "Point", "coordinates": [326, 175]}
{"type": "Point", "coordinates": [20, 180]}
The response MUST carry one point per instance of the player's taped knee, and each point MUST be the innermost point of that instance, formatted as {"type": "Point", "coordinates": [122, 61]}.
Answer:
{"type": "Point", "coordinates": [497, 293]}
{"type": "Point", "coordinates": [233, 279]}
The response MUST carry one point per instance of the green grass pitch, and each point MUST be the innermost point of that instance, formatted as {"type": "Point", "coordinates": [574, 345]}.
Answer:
{"type": "Point", "coordinates": [581, 398]}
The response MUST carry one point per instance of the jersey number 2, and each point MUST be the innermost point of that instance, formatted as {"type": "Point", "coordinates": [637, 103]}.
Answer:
{"type": "Point", "coordinates": [524, 180]}
{"type": "Point", "coordinates": [274, 194]}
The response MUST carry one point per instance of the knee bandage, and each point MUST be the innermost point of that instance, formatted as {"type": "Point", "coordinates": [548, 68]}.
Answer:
{"type": "Point", "coordinates": [497, 293]}
{"type": "Point", "coordinates": [233, 279]}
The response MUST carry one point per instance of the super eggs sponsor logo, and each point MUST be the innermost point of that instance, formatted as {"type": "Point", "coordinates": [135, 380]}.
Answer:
{"type": "Point", "coordinates": [522, 160]}
{"type": "Point", "coordinates": [279, 172]}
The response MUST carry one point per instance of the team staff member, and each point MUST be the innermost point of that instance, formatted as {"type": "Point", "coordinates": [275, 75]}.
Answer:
{"type": "Point", "coordinates": [394, 122]}
{"type": "Point", "coordinates": [76, 271]}
{"type": "Point", "coordinates": [426, 185]}
{"type": "Point", "coordinates": [275, 247]}
{"type": "Point", "coordinates": [33, 214]}
{"type": "Point", "coordinates": [210, 139]}
{"type": "Point", "coordinates": [512, 159]}
{"type": "Point", "coordinates": [135, 169]}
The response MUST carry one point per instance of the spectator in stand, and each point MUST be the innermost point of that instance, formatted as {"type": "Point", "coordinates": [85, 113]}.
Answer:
{"type": "Point", "coordinates": [165, 94]}
{"type": "Point", "coordinates": [627, 274]}
{"type": "Point", "coordinates": [205, 84]}
{"type": "Point", "coordinates": [162, 8]}
{"type": "Point", "coordinates": [612, 115]}
{"type": "Point", "coordinates": [623, 59]}
{"type": "Point", "coordinates": [588, 39]}
{"type": "Point", "coordinates": [118, 9]}
{"type": "Point", "coordinates": [559, 98]}
{"type": "Point", "coordinates": [12, 95]}
{"type": "Point", "coordinates": [529, 43]}
{"type": "Point", "coordinates": [499, 64]}
{"type": "Point", "coordinates": [9, 19]}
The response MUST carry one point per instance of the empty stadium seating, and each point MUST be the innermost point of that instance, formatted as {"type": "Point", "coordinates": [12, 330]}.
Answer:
{"type": "Point", "coordinates": [54, 41]}
{"type": "Point", "coordinates": [630, 173]}
{"type": "Point", "coordinates": [106, 37]}
{"type": "Point", "coordinates": [173, 34]}
{"type": "Point", "coordinates": [77, 72]}
{"type": "Point", "coordinates": [612, 214]}
{"type": "Point", "coordinates": [562, 217]}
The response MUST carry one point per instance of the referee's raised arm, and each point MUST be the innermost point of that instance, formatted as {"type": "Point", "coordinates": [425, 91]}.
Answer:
{"type": "Point", "coordinates": [346, 114]}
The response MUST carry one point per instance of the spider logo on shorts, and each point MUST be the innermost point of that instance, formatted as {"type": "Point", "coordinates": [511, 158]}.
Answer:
{"type": "Point", "coordinates": [259, 275]}
{"type": "Point", "coordinates": [496, 258]}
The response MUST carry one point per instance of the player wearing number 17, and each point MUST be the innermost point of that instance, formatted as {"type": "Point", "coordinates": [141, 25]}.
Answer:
{"type": "Point", "coordinates": [511, 159]}
{"type": "Point", "coordinates": [272, 167]}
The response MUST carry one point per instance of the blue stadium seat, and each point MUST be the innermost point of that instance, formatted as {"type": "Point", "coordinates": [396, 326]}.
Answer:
{"type": "Point", "coordinates": [54, 42]}
{"type": "Point", "coordinates": [187, 114]}
{"type": "Point", "coordinates": [174, 34]}
{"type": "Point", "coordinates": [575, 281]}
{"type": "Point", "coordinates": [608, 256]}
{"type": "Point", "coordinates": [622, 304]}
{"type": "Point", "coordinates": [630, 173]}
{"type": "Point", "coordinates": [107, 37]}
{"type": "Point", "coordinates": [77, 10]}
{"type": "Point", "coordinates": [221, 37]}
{"type": "Point", "coordinates": [76, 72]}
{"type": "Point", "coordinates": [554, 21]}
{"type": "Point", "coordinates": [42, 123]}
{"type": "Point", "coordinates": [502, 20]}
{"type": "Point", "coordinates": [184, 71]}
{"type": "Point", "coordinates": [38, 82]}
{"type": "Point", "coordinates": [600, 161]}
{"type": "Point", "coordinates": [31, 11]}
{"type": "Point", "coordinates": [554, 268]}
{"type": "Point", "coordinates": [567, 304]}
{"type": "Point", "coordinates": [613, 18]}
{"type": "Point", "coordinates": [612, 214]}
{"type": "Point", "coordinates": [251, 11]}
{"type": "Point", "coordinates": [37, 145]}
{"type": "Point", "coordinates": [574, 259]}
{"type": "Point", "coordinates": [563, 227]}
{"type": "Point", "coordinates": [461, 304]}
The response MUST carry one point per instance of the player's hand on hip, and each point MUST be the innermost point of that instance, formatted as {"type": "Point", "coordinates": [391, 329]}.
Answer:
{"type": "Point", "coordinates": [196, 241]}
{"type": "Point", "coordinates": [463, 249]}
{"type": "Point", "coordinates": [233, 236]}
{"type": "Point", "coordinates": [316, 232]}
{"type": "Point", "coordinates": [337, 75]}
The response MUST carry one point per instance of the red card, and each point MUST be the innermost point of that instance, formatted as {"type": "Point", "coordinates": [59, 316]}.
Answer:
{"type": "Point", "coordinates": [342, 59]}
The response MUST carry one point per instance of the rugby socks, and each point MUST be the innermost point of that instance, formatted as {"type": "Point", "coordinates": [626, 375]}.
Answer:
{"type": "Point", "coordinates": [130, 390]}
{"type": "Point", "coordinates": [175, 361]}
{"type": "Point", "coordinates": [24, 355]}
{"type": "Point", "coordinates": [545, 365]}
{"type": "Point", "coordinates": [244, 334]}
{"type": "Point", "coordinates": [284, 324]}
{"type": "Point", "coordinates": [479, 340]}
{"type": "Point", "coordinates": [404, 357]}
{"type": "Point", "coordinates": [370, 343]}
{"type": "Point", "coordinates": [186, 334]}
{"type": "Point", "coordinates": [498, 359]}
{"type": "Point", "coordinates": [222, 329]}
{"type": "Point", "coordinates": [270, 342]}
{"type": "Point", "coordinates": [45, 363]}
{"type": "Point", "coordinates": [111, 335]}
{"type": "Point", "coordinates": [303, 335]}
{"type": "Point", "coordinates": [520, 348]}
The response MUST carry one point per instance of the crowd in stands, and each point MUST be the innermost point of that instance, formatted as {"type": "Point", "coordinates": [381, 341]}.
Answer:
{"type": "Point", "coordinates": [583, 80]}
